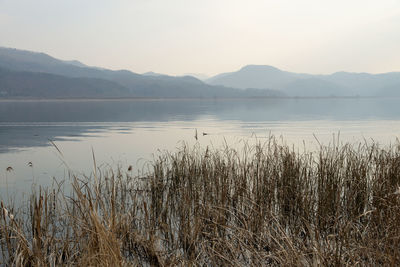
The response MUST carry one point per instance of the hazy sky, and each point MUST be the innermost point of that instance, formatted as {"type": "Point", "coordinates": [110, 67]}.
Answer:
{"type": "Point", "coordinates": [209, 36]}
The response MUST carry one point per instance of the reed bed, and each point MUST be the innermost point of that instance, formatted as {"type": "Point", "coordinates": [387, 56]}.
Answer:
{"type": "Point", "coordinates": [260, 205]}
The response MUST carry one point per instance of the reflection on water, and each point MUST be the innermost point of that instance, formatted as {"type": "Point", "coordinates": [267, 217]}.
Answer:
{"type": "Point", "coordinates": [128, 132]}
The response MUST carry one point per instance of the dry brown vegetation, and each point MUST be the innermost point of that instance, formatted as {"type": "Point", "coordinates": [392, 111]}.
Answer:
{"type": "Point", "coordinates": [263, 205]}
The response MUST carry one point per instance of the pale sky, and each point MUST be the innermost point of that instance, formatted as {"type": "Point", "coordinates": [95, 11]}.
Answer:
{"type": "Point", "coordinates": [209, 36]}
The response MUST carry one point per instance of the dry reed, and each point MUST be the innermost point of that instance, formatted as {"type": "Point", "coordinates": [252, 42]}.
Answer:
{"type": "Point", "coordinates": [262, 205]}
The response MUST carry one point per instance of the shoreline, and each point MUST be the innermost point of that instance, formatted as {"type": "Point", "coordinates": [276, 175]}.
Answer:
{"type": "Point", "coordinates": [246, 204]}
{"type": "Point", "coordinates": [179, 99]}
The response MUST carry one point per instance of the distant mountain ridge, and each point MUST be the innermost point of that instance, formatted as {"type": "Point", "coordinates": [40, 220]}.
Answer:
{"type": "Point", "coordinates": [31, 74]}
{"type": "Point", "coordinates": [299, 84]}
{"type": "Point", "coordinates": [45, 85]}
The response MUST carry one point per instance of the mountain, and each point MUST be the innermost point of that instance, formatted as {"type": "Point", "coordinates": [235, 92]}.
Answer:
{"type": "Point", "coordinates": [298, 84]}
{"type": "Point", "coordinates": [199, 76]}
{"type": "Point", "coordinates": [20, 84]}
{"type": "Point", "coordinates": [30, 74]}
{"type": "Point", "coordinates": [75, 63]}
{"type": "Point", "coordinates": [314, 87]}
{"type": "Point", "coordinates": [26, 73]}
{"type": "Point", "coordinates": [254, 76]}
{"type": "Point", "coordinates": [154, 74]}
{"type": "Point", "coordinates": [45, 85]}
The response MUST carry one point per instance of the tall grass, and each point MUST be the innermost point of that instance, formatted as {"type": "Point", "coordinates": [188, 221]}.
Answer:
{"type": "Point", "coordinates": [260, 205]}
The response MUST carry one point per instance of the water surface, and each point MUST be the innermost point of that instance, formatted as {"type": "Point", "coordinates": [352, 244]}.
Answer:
{"type": "Point", "coordinates": [130, 132]}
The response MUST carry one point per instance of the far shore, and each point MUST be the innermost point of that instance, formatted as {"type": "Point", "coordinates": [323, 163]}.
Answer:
{"type": "Point", "coordinates": [179, 99]}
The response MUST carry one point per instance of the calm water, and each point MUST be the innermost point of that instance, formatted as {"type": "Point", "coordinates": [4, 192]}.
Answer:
{"type": "Point", "coordinates": [129, 132]}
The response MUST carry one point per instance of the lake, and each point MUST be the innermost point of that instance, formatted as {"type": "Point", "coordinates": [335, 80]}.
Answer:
{"type": "Point", "coordinates": [129, 132]}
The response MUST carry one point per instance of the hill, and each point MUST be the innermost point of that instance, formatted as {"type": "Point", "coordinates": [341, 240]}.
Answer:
{"type": "Point", "coordinates": [30, 74]}
{"type": "Point", "coordinates": [45, 85]}
{"type": "Point", "coordinates": [298, 84]}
